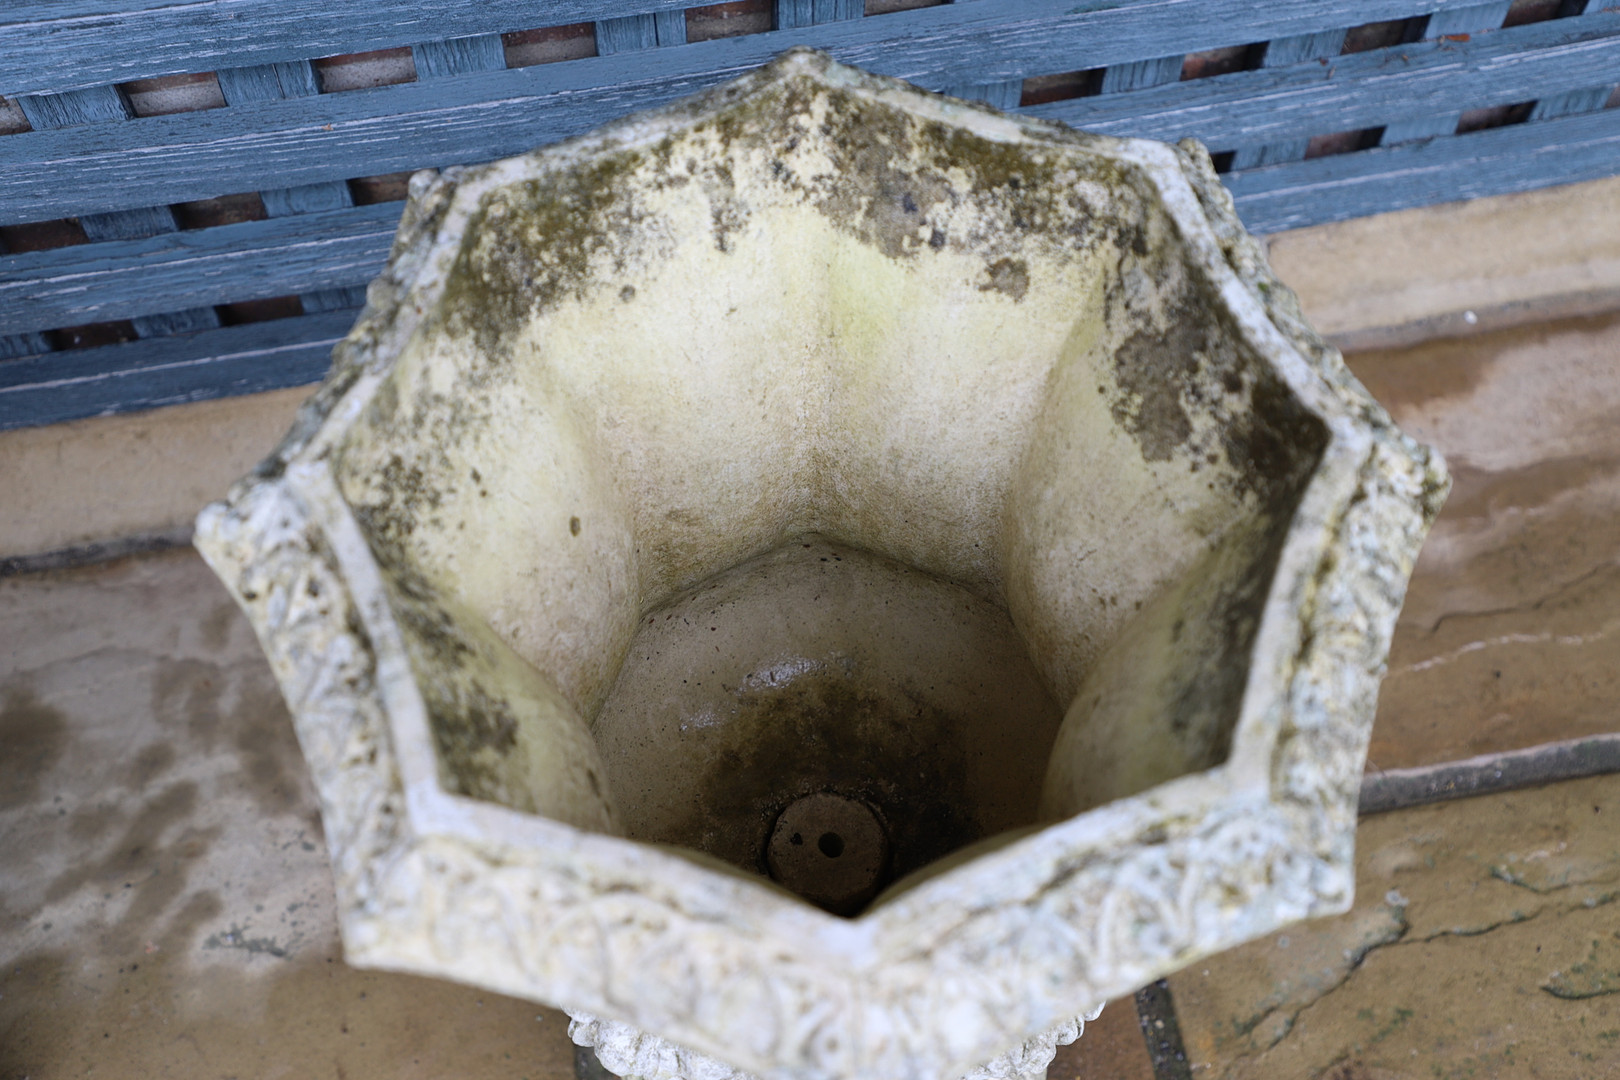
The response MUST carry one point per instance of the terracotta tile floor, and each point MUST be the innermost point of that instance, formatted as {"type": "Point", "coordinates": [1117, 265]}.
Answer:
{"type": "Point", "coordinates": [165, 909]}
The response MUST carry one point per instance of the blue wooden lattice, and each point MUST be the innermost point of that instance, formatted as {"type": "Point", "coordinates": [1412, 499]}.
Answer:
{"type": "Point", "coordinates": [1453, 99]}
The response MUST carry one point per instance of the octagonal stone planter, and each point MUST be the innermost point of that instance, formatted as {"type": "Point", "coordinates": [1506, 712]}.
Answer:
{"type": "Point", "coordinates": [942, 513]}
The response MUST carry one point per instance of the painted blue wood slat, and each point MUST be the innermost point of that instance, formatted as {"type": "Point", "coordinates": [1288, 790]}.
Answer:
{"type": "Point", "coordinates": [31, 343]}
{"type": "Point", "coordinates": [1465, 21]}
{"type": "Point", "coordinates": [132, 39]}
{"type": "Point", "coordinates": [306, 198]}
{"type": "Point", "coordinates": [130, 224]}
{"type": "Point", "coordinates": [1141, 74]}
{"type": "Point", "coordinates": [108, 104]}
{"type": "Point", "coordinates": [670, 27]}
{"type": "Point", "coordinates": [1359, 90]}
{"type": "Point", "coordinates": [1297, 50]}
{"type": "Point", "coordinates": [276, 82]}
{"type": "Point", "coordinates": [267, 82]}
{"type": "Point", "coordinates": [479, 117]}
{"type": "Point", "coordinates": [1589, 99]}
{"type": "Point", "coordinates": [286, 255]}
{"type": "Point", "coordinates": [634, 32]}
{"type": "Point", "coordinates": [252, 260]}
{"type": "Point", "coordinates": [169, 371]}
{"type": "Point", "coordinates": [1003, 95]}
{"type": "Point", "coordinates": [1568, 104]}
{"type": "Point", "coordinates": [1281, 53]}
{"type": "Point", "coordinates": [626, 34]}
{"type": "Point", "coordinates": [791, 14]}
{"type": "Point", "coordinates": [86, 106]}
{"type": "Point", "coordinates": [46, 11]}
{"type": "Point", "coordinates": [1497, 161]}
{"type": "Point", "coordinates": [458, 56]}
{"type": "Point", "coordinates": [54, 45]}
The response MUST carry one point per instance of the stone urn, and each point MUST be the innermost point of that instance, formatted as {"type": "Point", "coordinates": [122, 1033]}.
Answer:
{"type": "Point", "coordinates": [825, 580]}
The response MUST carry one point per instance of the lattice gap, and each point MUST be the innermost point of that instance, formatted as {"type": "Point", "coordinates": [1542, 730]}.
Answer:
{"type": "Point", "coordinates": [12, 120]}
{"type": "Point", "coordinates": [189, 216]}
{"type": "Point", "coordinates": [174, 94]}
{"type": "Point", "coordinates": [551, 44]}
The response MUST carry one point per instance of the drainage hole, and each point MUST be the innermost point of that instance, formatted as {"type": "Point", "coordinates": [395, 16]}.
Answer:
{"type": "Point", "coordinates": [830, 849]}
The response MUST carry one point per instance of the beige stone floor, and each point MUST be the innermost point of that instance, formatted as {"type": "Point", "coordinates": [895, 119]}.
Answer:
{"type": "Point", "coordinates": [1485, 942]}
{"type": "Point", "coordinates": [165, 908]}
{"type": "Point", "coordinates": [1511, 632]}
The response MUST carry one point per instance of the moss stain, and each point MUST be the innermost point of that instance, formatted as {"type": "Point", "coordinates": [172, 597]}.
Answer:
{"type": "Point", "coordinates": [826, 734]}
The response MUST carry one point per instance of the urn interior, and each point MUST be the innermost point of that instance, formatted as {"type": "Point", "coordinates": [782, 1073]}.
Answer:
{"type": "Point", "coordinates": [898, 485]}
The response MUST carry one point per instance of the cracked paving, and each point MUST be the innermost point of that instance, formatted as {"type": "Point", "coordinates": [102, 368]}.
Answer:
{"type": "Point", "coordinates": [1511, 632]}
{"type": "Point", "coordinates": [1485, 941]}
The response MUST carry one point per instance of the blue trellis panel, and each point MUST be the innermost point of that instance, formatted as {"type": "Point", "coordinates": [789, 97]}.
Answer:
{"type": "Point", "coordinates": [299, 151]}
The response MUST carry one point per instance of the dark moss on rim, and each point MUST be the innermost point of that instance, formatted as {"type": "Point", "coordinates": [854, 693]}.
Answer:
{"type": "Point", "coordinates": [894, 176]}
{"type": "Point", "coordinates": [504, 275]}
{"type": "Point", "coordinates": [473, 727]}
{"type": "Point", "coordinates": [388, 515]}
{"type": "Point", "coordinates": [1191, 356]}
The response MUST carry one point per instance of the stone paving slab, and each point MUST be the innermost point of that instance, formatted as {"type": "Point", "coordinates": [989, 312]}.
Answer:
{"type": "Point", "coordinates": [135, 474]}
{"type": "Point", "coordinates": [1511, 632]}
{"type": "Point", "coordinates": [1484, 942]}
{"type": "Point", "coordinates": [166, 905]}
{"type": "Point", "coordinates": [1455, 267]}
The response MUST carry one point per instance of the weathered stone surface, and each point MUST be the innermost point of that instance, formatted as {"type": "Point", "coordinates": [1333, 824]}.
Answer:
{"type": "Point", "coordinates": [166, 893]}
{"type": "Point", "coordinates": [637, 1055]}
{"type": "Point", "coordinates": [1485, 941]}
{"type": "Point", "coordinates": [1408, 275]}
{"type": "Point", "coordinates": [1511, 632]}
{"type": "Point", "coordinates": [145, 473]}
{"type": "Point", "coordinates": [1049, 368]}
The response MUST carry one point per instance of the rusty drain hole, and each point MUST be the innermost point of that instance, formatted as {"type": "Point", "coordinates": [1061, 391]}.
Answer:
{"type": "Point", "coordinates": [847, 863]}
